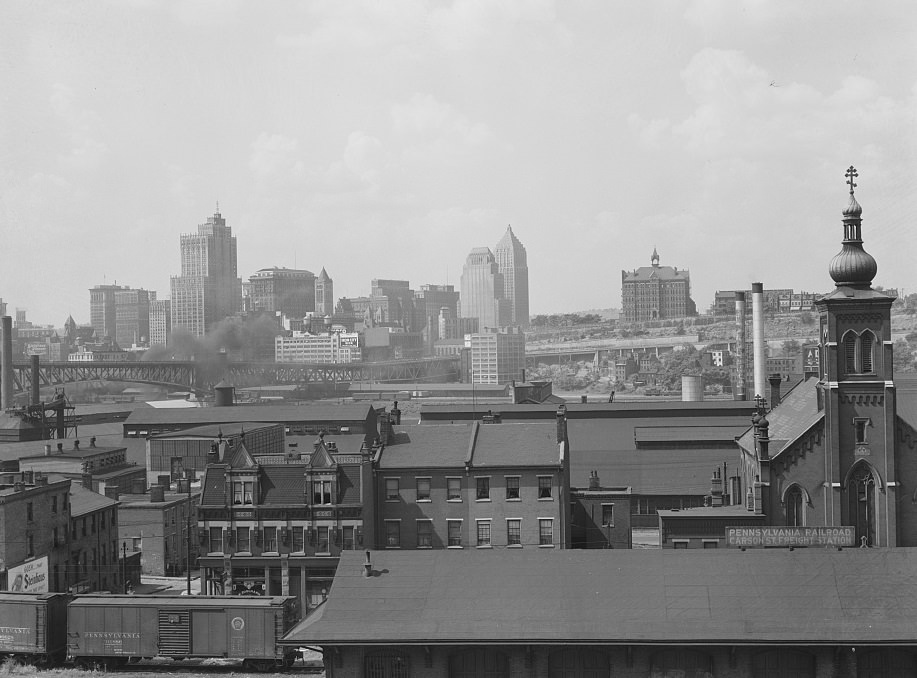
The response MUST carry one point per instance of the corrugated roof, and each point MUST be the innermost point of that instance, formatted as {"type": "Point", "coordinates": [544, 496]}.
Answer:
{"type": "Point", "coordinates": [250, 413]}
{"type": "Point", "coordinates": [620, 596]}
{"type": "Point", "coordinates": [84, 501]}
{"type": "Point", "coordinates": [688, 434]}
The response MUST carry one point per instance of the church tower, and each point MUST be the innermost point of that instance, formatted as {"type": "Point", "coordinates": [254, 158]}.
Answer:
{"type": "Point", "coordinates": [857, 392]}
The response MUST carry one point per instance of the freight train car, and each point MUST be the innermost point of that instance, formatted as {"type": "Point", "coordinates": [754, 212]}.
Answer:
{"type": "Point", "coordinates": [111, 630]}
{"type": "Point", "coordinates": [33, 627]}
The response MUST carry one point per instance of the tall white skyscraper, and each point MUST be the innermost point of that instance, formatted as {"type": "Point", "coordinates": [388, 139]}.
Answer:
{"type": "Point", "coordinates": [209, 288]}
{"type": "Point", "coordinates": [513, 264]}
{"type": "Point", "coordinates": [482, 290]}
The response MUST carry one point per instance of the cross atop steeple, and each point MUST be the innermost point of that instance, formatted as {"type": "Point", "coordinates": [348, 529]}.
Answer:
{"type": "Point", "coordinates": [851, 175]}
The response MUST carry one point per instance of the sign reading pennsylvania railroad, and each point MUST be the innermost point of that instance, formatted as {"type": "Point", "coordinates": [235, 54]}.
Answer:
{"type": "Point", "coordinates": [789, 536]}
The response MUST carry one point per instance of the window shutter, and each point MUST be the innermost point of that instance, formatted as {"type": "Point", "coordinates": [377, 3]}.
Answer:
{"type": "Point", "coordinates": [866, 352]}
{"type": "Point", "coordinates": [336, 536]}
{"type": "Point", "coordinates": [850, 348]}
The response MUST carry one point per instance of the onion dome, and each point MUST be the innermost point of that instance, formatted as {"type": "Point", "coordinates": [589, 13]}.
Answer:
{"type": "Point", "coordinates": [852, 266]}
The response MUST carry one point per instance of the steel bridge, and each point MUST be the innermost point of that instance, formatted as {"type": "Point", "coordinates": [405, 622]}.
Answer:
{"type": "Point", "coordinates": [192, 376]}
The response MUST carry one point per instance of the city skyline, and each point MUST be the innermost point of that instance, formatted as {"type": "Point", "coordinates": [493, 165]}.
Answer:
{"type": "Point", "coordinates": [386, 140]}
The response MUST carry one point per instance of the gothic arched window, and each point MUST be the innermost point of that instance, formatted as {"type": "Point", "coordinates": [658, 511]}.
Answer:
{"type": "Point", "coordinates": [861, 503]}
{"type": "Point", "coordinates": [859, 352]}
{"type": "Point", "coordinates": [866, 344]}
{"type": "Point", "coordinates": [795, 507]}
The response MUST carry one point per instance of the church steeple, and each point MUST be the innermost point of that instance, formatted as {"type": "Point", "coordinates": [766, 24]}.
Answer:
{"type": "Point", "coordinates": [853, 266]}
{"type": "Point", "coordinates": [654, 260]}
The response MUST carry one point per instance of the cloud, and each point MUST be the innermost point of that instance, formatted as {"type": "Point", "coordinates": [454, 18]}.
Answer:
{"type": "Point", "coordinates": [273, 156]}
{"type": "Point", "coordinates": [435, 131]}
{"type": "Point", "coordinates": [86, 151]}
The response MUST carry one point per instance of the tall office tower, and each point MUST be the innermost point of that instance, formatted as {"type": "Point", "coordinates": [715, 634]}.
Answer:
{"type": "Point", "coordinates": [392, 303]}
{"type": "Point", "coordinates": [288, 290]}
{"type": "Point", "coordinates": [160, 322]}
{"type": "Point", "coordinates": [324, 294]}
{"type": "Point", "coordinates": [132, 316]}
{"type": "Point", "coordinates": [428, 304]}
{"type": "Point", "coordinates": [209, 288]}
{"type": "Point", "coordinates": [482, 290]}
{"type": "Point", "coordinates": [102, 313]}
{"type": "Point", "coordinates": [511, 258]}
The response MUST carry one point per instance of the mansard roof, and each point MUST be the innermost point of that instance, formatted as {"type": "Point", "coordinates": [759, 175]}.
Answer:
{"type": "Point", "coordinates": [665, 273]}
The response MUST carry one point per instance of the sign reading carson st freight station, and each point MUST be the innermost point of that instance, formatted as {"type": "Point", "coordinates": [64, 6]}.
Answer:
{"type": "Point", "coordinates": [790, 536]}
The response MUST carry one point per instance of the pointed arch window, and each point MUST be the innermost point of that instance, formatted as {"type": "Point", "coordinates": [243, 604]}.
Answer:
{"type": "Point", "coordinates": [861, 503]}
{"type": "Point", "coordinates": [859, 352]}
{"type": "Point", "coordinates": [795, 507]}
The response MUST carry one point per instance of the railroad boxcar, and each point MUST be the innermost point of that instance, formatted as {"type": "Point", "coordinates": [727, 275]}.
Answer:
{"type": "Point", "coordinates": [33, 627]}
{"type": "Point", "coordinates": [110, 630]}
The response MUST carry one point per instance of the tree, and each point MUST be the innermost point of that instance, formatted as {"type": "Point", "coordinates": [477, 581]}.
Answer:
{"type": "Point", "coordinates": [903, 355]}
{"type": "Point", "coordinates": [806, 318]}
{"type": "Point", "coordinates": [791, 347]}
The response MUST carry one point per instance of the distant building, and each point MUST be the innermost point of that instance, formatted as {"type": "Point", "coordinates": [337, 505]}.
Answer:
{"type": "Point", "coordinates": [156, 524]}
{"type": "Point", "coordinates": [209, 288]}
{"type": "Point", "coordinates": [329, 347]}
{"type": "Point", "coordinates": [102, 310]}
{"type": "Point", "coordinates": [497, 355]}
{"type": "Point", "coordinates": [93, 564]}
{"type": "Point", "coordinates": [482, 289]}
{"type": "Point", "coordinates": [160, 322]}
{"type": "Point", "coordinates": [324, 294]}
{"type": "Point", "coordinates": [287, 290]}
{"type": "Point", "coordinates": [132, 317]}
{"type": "Point", "coordinates": [656, 293]}
{"type": "Point", "coordinates": [513, 264]}
{"type": "Point", "coordinates": [96, 468]}
{"type": "Point", "coordinates": [430, 302]}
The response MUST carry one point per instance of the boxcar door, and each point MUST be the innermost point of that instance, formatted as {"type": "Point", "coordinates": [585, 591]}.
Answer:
{"type": "Point", "coordinates": [174, 633]}
{"type": "Point", "coordinates": [209, 633]}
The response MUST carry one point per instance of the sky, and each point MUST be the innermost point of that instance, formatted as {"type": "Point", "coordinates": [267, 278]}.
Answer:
{"type": "Point", "coordinates": [386, 139]}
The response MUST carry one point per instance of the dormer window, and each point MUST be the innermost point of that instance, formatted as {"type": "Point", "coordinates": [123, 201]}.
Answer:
{"type": "Point", "coordinates": [321, 491]}
{"type": "Point", "coordinates": [242, 492]}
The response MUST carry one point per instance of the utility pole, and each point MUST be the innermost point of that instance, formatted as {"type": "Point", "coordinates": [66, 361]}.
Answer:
{"type": "Point", "coordinates": [124, 566]}
{"type": "Point", "coordinates": [188, 531]}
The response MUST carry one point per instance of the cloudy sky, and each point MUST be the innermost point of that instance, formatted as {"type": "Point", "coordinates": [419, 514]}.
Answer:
{"type": "Point", "coordinates": [385, 139]}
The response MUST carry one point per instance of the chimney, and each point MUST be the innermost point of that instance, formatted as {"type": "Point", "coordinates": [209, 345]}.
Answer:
{"type": "Point", "coordinates": [213, 457]}
{"type": "Point", "coordinates": [716, 489]}
{"type": "Point", "coordinates": [138, 486]}
{"type": "Point", "coordinates": [594, 483]}
{"type": "Point", "coordinates": [561, 423]}
{"type": "Point", "coordinates": [157, 494]}
{"type": "Point", "coordinates": [111, 491]}
{"type": "Point", "coordinates": [92, 441]}
{"type": "Point", "coordinates": [60, 448]}
{"type": "Point", "coordinates": [86, 480]}
{"type": "Point", "coordinates": [6, 362]}
{"type": "Point", "coordinates": [740, 346]}
{"type": "Point", "coordinates": [41, 478]}
{"type": "Point", "coordinates": [76, 444]}
{"type": "Point", "coordinates": [368, 566]}
{"type": "Point", "coordinates": [774, 380]}
{"type": "Point", "coordinates": [396, 414]}
{"type": "Point", "coordinates": [36, 380]}
{"type": "Point", "coordinates": [18, 486]}
{"type": "Point", "coordinates": [757, 330]}
{"type": "Point", "coordinates": [48, 450]}
{"type": "Point", "coordinates": [386, 433]}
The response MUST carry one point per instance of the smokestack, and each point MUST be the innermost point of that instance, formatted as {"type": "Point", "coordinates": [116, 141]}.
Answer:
{"type": "Point", "coordinates": [35, 385]}
{"type": "Point", "coordinates": [6, 362]}
{"type": "Point", "coordinates": [757, 330]}
{"type": "Point", "coordinates": [774, 380]}
{"type": "Point", "coordinates": [741, 358]}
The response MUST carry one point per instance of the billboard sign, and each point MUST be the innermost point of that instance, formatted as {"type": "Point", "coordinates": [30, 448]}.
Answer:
{"type": "Point", "coordinates": [789, 536]}
{"type": "Point", "coordinates": [351, 340]}
{"type": "Point", "coordinates": [30, 577]}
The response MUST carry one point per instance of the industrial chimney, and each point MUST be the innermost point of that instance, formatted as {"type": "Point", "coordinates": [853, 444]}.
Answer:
{"type": "Point", "coordinates": [757, 329]}
{"type": "Point", "coordinates": [6, 362]}
{"type": "Point", "coordinates": [741, 357]}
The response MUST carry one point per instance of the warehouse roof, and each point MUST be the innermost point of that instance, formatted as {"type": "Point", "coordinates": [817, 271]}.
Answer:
{"type": "Point", "coordinates": [251, 413]}
{"type": "Point", "coordinates": [806, 596]}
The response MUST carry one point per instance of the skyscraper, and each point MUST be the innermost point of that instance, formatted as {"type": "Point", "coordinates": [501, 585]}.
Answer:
{"type": "Point", "coordinates": [120, 313]}
{"type": "Point", "coordinates": [287, 290]}
{"type": "Point", "coordinates": [324, 294]}
{"type": "Point", "coordinates": [160, 322]}
{"type": "Point", "coordinates": [102, 310]}
{"type": "Point", "coordinates": [209, 288]}
{"type": "Point", "coordinates": [482, 290]}
{"type": "Point", "coordinates": [513, 263]}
